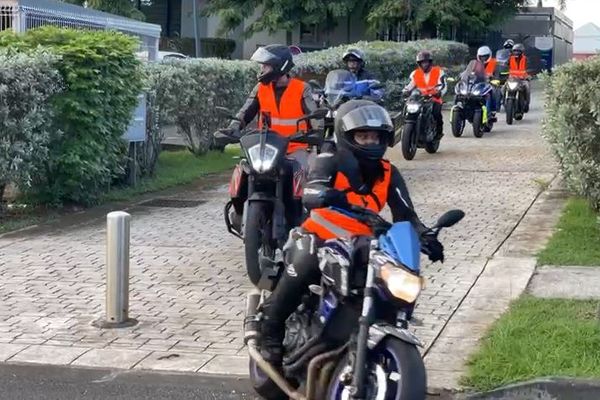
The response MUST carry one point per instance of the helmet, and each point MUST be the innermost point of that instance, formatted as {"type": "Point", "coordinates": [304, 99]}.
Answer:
{"type": "Point", "coordinates": [356, 115]}
{"type": "Point", "coordinates": [277, 56]}
{"type": "Point", "coordinates": [424, 55]}
{"type": "Point", "coordinates": [484, 54]}
{"type": "Point", "coordinates": [518, 50]}
{"type": "Point", "coordinates": [355, 54]}
{"type": "Point", "coordinates": [508, 44]}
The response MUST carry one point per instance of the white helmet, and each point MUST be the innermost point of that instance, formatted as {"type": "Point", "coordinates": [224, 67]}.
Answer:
{"type": "Point", "coordinates": [484, 53]}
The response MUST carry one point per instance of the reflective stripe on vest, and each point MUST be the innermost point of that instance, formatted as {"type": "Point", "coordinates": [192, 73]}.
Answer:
{"type": "Point", "coordinates": [284, 117]}
{"type": "Point", "coordinates": [520, 69]}
{"type": "Point", "coordinates": [428, 87]}
{"type": "Point", "coordinates": [327, 223]}
{"type": "Point", "coordinates": [490, 67]}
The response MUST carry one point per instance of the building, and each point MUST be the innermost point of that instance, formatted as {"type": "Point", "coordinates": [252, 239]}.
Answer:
{"type": "Point", "coordinates": [586, 42]}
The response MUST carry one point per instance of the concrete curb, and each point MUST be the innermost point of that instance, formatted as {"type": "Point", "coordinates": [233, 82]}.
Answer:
{"type": "Point", "coordinates": [549, 388]}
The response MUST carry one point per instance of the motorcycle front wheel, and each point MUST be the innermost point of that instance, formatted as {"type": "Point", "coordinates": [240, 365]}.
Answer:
{"type": "Point", "coordinates": [409, 141]}
{"type": "Point", "coordinates": [458, 123]}
{"type": "Point", "coordinates": [509, 106]}
{"type": "Point", "coordinates": [257, 234]}
{"type": "Point", "coordinates": [477, 123]}
{"type": "Point", "coordinates": [396, 372]}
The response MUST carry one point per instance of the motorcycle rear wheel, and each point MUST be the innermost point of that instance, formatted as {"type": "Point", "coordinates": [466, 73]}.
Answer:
{"type": "Point", "coordinates": [394, 366]}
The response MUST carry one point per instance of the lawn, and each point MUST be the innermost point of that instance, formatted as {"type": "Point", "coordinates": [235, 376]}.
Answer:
{"type": "Point", "coordinates": [174, 168]}
{"type": "Point", "coordinates": [537, 338]}
{"type": "Point", "coordinates": [577, 237]}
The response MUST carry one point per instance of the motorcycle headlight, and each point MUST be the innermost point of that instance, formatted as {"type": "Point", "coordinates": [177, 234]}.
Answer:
{"type": "Point", "coordinates": [402, 284]}
{"type": "Point", "coordinates": [512, 85]}
{"type": "Point", "coordinates": [262, 162]}
{"type": "Point", "coordinates": [476, 92]}
{"type": "Point", "coordinates": [413, 107]}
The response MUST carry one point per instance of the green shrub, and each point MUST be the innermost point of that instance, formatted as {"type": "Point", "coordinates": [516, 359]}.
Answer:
{"type": "Point", "coordinates": [188, 92]}
{"type": "Point", "coordinates": [572, 125]}
{"type": "Point", "coordinates": [390, 62]}
{"type": "Point", "coordinates": [103, 79]}
{"type": "Point", "coordinates": [26, 84]}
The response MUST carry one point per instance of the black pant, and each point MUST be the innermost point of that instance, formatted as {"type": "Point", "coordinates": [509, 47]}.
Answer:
{"type": "Point", "coordinates": [437, 115]}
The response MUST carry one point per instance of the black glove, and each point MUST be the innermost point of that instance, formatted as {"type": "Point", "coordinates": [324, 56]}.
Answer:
{"type": "Point", "coordinates": [431, 246]}
{"type": "Point", "coordinates": [335, 198]}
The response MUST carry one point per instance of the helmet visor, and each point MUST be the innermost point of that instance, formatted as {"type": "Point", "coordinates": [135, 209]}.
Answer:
{"type": "Point", "coordinates": [367, 118]}
{"type": "Point", "coordinates": [263, 56]}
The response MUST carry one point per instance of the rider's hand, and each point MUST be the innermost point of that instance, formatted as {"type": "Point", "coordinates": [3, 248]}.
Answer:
{"type": "Point", "coordinates": [432, 247]}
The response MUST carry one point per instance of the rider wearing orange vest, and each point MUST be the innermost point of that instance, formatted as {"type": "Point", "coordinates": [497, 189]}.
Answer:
{"type": "Point", "coordinates": [518, 68]}
{"type": "Point", "coordinates": [430, 80]}
{"type": "Point", "coordinates": [354, 173]}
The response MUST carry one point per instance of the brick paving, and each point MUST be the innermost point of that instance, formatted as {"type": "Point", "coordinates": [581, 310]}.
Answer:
{"type": "Point", "coordinates": [188, 283]}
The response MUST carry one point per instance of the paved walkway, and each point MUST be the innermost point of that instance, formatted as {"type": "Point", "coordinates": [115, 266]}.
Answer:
{"type": "Point", "coordinates": [566, 282]}
{"type": "Point", "coordinates": [187, 280]}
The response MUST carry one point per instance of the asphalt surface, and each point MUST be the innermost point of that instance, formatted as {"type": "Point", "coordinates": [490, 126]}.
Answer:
{"type": "Point", "coordinates": [41, 382]}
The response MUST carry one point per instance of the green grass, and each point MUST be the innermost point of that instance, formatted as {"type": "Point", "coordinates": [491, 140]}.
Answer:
{"type": "Point", "coordinates": [174, 168]}
{"type": "Point", "coordinates": [577, 237]}
{"type": "Point", "coordinates": [537, 338]}
{"type": "Point", "coordinates": [177, 168]}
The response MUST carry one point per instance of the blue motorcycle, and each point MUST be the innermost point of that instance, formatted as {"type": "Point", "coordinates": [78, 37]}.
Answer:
{"type": "Point", "coordinates": [350, 337]}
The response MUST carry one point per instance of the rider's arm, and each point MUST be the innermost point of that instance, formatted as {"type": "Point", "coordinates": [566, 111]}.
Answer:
{"type": "Point", "coordinates": [411, 84]}
{"type": "Point", "coordinates": [442, 85]}
{"type": "Point", "coordinates": [249, 109]}
{"type": "Point", "coordinates": [318, 190]}
{"type": "Point", "coordinates": [309, 105]}
{"type": "Point", "coordinates": [400, 203]}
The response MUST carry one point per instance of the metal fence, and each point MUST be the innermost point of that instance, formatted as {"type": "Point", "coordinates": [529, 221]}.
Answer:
{"type": "Point", "coordinates": [22, 15]}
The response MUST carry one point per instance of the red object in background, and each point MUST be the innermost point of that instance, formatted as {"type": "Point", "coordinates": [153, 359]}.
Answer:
{"type": "Point", "coordinates": [295, 50]}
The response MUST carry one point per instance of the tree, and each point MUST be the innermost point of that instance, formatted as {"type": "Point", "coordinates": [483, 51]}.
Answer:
{"type": "Point", "coordinates": [278, 15]}
{"type": "Point", "coordinates": [126, 8]}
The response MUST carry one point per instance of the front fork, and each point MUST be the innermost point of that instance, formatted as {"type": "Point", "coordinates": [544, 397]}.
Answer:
{"type": "Point", "coordinates": [358, 387]}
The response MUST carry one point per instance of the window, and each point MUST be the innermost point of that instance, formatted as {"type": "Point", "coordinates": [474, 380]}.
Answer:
{"type": "Point", "coordinates": [309, 33]}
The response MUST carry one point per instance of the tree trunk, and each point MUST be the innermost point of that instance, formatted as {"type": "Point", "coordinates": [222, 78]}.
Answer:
{"type": "Point", "coordinates": [288, 37]}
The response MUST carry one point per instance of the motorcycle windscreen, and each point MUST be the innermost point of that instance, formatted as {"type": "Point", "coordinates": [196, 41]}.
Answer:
{"type": "Point", "coordinates": [502, 56]}
{"type": "Point", "coordinates": [339, 82]}
{"type": "Point", "coordinates": [475, 72]}
{"type": "Point", "coordinates": [402, 243]}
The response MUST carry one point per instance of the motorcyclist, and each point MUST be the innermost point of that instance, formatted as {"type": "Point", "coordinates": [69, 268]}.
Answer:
{"type": "Point", "coordinates": [355, 62]}
{"type": "Point", "coordinates": [353, 173]}
{"type": "Point", "coordinates": [285, 98]}
{"type": "Point", "coordinates": [430, 80]}
{"type": "Point", "coordinates": [518, 69]}
{"type": "Point", "coordinates": [484, 55]}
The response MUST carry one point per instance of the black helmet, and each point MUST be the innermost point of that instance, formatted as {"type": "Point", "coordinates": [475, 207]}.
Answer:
{"type": "Point", "coordinates": [518, 50]}
{"type": "Point", "coordinates": [508, 44]}
{"type": "Point", "coordinates": [354, 54]}
{"type": "Point", "coordinates": [424, 55]}
{"type": "Point", "coordinates": [277, 56]}
{"type": "Point", "coordinates": [356, 115]}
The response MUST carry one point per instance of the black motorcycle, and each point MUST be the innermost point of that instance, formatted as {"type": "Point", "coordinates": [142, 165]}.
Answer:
{"type": "Point", "coordinates": [515, 105]}
{"type": "Point", "coordinates": [470, 105]}
{"type": "Point", "coordinates": [266, 188]}
{"type": "Point", "coordinates": [419, 129]}
{"type": "Point", "coordinates": [350, 337]}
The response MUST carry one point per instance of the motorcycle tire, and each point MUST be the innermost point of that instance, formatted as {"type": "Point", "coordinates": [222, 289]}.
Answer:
{"type": "Point", "coordinates": [433, 146]}
{"type": "Point", "coordinates": [258, 224]}
{"type": "Point", "coordinates": [488, 127]}
{"type": "Point", "coordinates": [477, 123]}
{"type": "Point", "coordinates": [409, 141]}
{"type": "Point", "coordinates": [509, 107]}
{"type": "Point", "coordinates": [406, 361]}
{"type": "Point", "coordinates": [263, 385]}
{"type": "Point", "coordinates": [458, 123]}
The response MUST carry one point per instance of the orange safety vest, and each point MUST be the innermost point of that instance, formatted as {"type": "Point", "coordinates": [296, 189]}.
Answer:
{"type": "Point", "coordinates": [518, 69]}
{"type": "Point", "coordinates": [327, 223]}
{"type": "Point", "coordinates": [428, 87]}
{"type": "Point", "coordinates": [284, 117]}
{"type": "Point", "coordinates": [490, 67]}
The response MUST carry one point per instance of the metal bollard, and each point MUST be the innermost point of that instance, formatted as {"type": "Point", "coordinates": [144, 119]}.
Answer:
{"type": "Point", "coordinates": [117, 271]}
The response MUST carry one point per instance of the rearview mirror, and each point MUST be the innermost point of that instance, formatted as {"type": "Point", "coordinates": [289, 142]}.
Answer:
{"type": "Point", "coordinates": [450, 218]}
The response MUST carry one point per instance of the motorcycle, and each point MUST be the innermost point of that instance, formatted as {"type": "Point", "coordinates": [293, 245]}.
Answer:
{"type": "Point", "coordinates": [470, 105]}
{"type": "Point", "coordinates": [269, 189]}
{"type": "Point", "coordinates": [502, 59]}
{"type": "Point", "coordinates": [340, 86]}
{"type": "Point", "coordinates": [514, 99]}
{"type": "Point", "coordinates": [419, 130]}
{"type": "Point", "coordinates": [349, 338]}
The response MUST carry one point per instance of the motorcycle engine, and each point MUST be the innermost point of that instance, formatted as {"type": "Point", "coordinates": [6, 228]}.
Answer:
{"type": "Point", "coordinates": [297, 330]}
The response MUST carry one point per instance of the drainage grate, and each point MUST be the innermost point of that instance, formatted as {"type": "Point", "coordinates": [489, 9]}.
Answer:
{"type": "Point", "coordinates": [172, 203]}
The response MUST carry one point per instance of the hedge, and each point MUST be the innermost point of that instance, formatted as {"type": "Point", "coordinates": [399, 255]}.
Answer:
{"type": "Point", "coordinates": [103, 79]}
{"type": "Point", "coordinates": [27, 82]}
{"type": "Point", "coordinates": [572, 125]}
